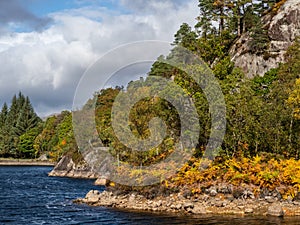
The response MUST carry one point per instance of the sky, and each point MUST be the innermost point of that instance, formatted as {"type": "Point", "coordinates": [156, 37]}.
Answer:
{"type": "Point", "coordinates": [47, 45]}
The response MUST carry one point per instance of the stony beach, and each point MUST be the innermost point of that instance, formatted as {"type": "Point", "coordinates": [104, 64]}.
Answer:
{"type": "Point", "coordinates": [211, 203]}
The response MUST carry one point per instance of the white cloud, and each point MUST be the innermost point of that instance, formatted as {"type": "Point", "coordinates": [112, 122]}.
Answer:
{"type": "Point", "coordinates": [47, 65]}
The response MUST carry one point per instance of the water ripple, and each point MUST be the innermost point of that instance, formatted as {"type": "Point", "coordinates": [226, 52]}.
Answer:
{"type": "Point", "coordinates": [29, 196]}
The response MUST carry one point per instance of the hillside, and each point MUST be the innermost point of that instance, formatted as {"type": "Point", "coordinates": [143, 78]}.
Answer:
{"type": "Point", "coordinates": [261, 112]}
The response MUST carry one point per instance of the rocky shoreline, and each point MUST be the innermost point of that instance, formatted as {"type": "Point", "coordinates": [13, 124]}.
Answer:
{"type": "Point", "coordinates": [213, 203]}
{"type": "Point", "coordinates": [66, 167]}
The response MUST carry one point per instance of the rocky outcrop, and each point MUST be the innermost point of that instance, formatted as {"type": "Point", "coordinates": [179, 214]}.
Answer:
{"type": "Point", "coordinates": [66, 167]}
{"type": "Point", "coordinates": [102, 181]}
{"type": "Point", "coordinates": [283, 28]}
{"type": "Point", "coordinates": [203, 204]}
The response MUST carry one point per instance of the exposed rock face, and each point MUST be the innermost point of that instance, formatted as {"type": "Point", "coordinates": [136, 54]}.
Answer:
{"type": "Point", "coordinates": [283, 28]}
{"type": "Point", "coordinates": [67, 168]}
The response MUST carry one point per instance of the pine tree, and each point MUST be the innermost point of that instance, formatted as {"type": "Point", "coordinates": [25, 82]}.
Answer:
{"type": "Point", "coordinates": [260, 39]}
{"type": "Point", "coordinates": [3, 115]}
{"type": "Point", "coordinates": [13, 112]}
{"type": "Point", "coordinates": [27, 118]}
{"type": "Point", "coordinates": [19, 119]}
{"type": "Point", "coordinates": [205, 18]}
{"type": "Point", "coordinates": [3, 131]}
{"type": "Point", "coordinates": [185, 37]}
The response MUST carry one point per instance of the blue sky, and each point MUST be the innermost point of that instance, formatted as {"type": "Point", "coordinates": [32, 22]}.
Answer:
{"type": "Point", "coordinates": [45, 7]}
{"type": "Point", "coordinates": [47, 45]}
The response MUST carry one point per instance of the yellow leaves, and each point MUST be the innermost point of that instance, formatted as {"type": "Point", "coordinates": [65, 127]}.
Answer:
{"type": "Point", "coordinates": [277, 5]}
{"type": "Point", "coordinates": [256, 160]}
{"type": "Point", "coordinates": [268, 174]}
{"type": "Point", "coordinates": [112, 184]}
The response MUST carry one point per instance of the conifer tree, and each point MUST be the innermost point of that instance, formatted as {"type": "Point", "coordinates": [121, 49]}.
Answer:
{"type": "Point", "coordinates": [3, 115]}
{"type": "Point", "coordinates": [27, 118]}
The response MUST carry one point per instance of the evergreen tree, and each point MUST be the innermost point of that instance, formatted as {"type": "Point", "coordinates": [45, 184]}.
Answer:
{"type": "Point", "coordinates": [185, 37]}
{"type": "Point", "coordinates": [3, 115]}
{"type": "Point", "coordinates": [13, 112]}
{"type": "Point", "coordinates": [27, 118]}
{"type": "Point", "coordinates": [205, 18]}
{"type": "Point", "coordinates": [19, 119]}
{"type": "Point", "coordinates": [260, 39]}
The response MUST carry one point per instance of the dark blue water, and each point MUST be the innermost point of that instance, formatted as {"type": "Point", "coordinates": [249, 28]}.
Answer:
{"type": "Point", "coordinates": [29, 196]}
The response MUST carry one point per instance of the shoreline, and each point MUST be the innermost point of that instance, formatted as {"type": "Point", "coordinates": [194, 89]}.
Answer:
{"type": "Point", "coordinates": [24, 162]}
{"type": "Point", "coordinates": [202, 205]}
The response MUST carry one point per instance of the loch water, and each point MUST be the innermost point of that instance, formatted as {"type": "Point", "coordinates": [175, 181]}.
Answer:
{"type": "Point", "coordinates": [29, 196]}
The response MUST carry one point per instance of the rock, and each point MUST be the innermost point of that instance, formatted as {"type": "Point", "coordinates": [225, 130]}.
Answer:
{"type": "Point", "coordinates": [178, 206]}
{"type": "Point", "coordinates": [229, 197]}
{"type": "Point", "coordinates": [132, 198]}
{"type": "Point", "coordinates": [66, 167]}
{"type": "Point", "coordinates": [289, 199]}
{"type": "Point", "coordinates": [187, 193]}
{"type": "Point", "coordinates": [283, 28]}
{"type": "Point", "coordinates": [220, 204]}
{"type": "Point", "coordinates": [213, 192]}
{"type": "Point", "coordinates": [189, 210]}
{"type": "Point", "coordinates": [188, 205]}
{"type": "Point", "coordinates": [159, 203]}
{"type": "Point", "coordinates": [102, 181]}
{"type": "Point", "coordinates": [43, 157]}
{"type": "Point", "coordinates": [248, 210]}
{"type": "Point", "coordinates": [275, 210]}
{"type": "Point", "coordinates": [248, 194]}
{"type": "Point", "coordinates": [241, 206]}
{"type": "Point", "coordinates": [224, 188]}
{"type": "Point", "coordinates": [198, 210]}
{"type": "Point", "coordinates": [269, 199]}
{"type": "Point", "coordinates": [92, 196]}
{"type": "Point", "coordinates": [237, 193]}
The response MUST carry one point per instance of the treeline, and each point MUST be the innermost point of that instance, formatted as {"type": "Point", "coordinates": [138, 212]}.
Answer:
{"type": "Point", "coordinates": [24, 135]}
{"type": "Point", "coordinates": [19, 125]}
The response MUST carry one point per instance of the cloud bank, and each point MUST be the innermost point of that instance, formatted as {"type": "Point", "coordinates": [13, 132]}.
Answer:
{"type": "Point", "coordinates": [48, 62]}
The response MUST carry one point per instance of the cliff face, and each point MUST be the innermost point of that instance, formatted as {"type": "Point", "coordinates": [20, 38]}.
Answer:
{"type": "Point", "coordinates": [97, 167]}
{"type": "Point", "coordinates": [66, 167]}
{"type": "Point", "coordinates": [283, 28]}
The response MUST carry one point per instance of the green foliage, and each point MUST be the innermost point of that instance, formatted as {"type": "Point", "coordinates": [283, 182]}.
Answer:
{"type": "Point", "coordinates": [26, 142]}
{"type": "Point", "coordinates": [262, 84]}
{"type": "Point", "coordinates": [260, 39]}
{"type": "Point", "coordinates": [185, 37]}
{"type": "Point", "coordinates": [19, 119]}
{"type": "Point", "coordinates": [56, 137]}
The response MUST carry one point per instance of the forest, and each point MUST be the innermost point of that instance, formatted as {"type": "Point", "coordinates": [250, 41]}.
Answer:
{"type": "Point", "coordinates": [262, 113]}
